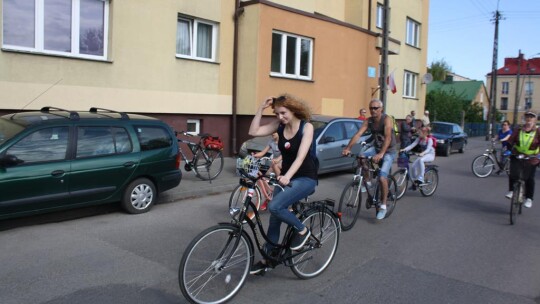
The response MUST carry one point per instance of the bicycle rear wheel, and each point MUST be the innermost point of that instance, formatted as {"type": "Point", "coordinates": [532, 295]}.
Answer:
{"type": "Point", "coordinates": [238, 197]}
{"type": "Point", "coordinates": [402, 182]}
{"type": "Point", "coordinates": [322, 244]}
{"type": "Point", "coordinates": [515, 204]}
{"type": "Point", "coordinates": [349, 205]}
{"type": "Point", "coordinates": [204, 274]}
{"type": "Point", "coordinates": [391, 199]}
{"type": "Point", "coordinates": [482, 166]}
{"type": "Point", "coordinates": [431, 181]}
{"type": "Point", "coordinates": [208, 164]}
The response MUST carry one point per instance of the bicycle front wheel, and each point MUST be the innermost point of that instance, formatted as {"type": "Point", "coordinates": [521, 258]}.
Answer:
{"type": "Point", "coordinates": [391, 199]}
{"type": "Point", "coordinates": [238, 197]}
{"type": "Point", "coordinates": [206, 273]}
{"type": "Point", "coordinates": [431, 181]}
{"type": "Point", "coordinates": [515, 204]}
{"type": "Point", "coordinates": [208, 164]}
{"type": "Point", "coordinates": [401, 182]}
{"type": "Point", "coordinates": [349, 205]}
{"type": "Point", "coordinates": [482, 166]}
{"type": "Point", "coordinates": [322, 244]}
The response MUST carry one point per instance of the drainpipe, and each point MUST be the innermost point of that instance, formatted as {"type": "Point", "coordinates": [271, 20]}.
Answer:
{"type": "Point", "coordinates": [237, 12]}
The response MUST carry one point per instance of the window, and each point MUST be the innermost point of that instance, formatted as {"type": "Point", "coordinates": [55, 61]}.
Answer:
{"type": "Point", "coordinates": [193, 126]}
{"type": "Point", "coordinates": [529, 88]}
{"type": "Point", "coordinates": [413, 33]}
{"type": "Point", "coordinates": [351, 128]}
{"type": "Point", "coordinates": [505, 86]}
{"type": "Point", "coordinates": [196, 39]}
{"type": "Point", "coordinates": [528, 103]}
{"type": "Point", "coordinates": [380, 16]}
{"type": "Point", "coordinates": [152, 138]}
{"type": "Point", "coordinates": [292, 56]}
{"type": "Point", "coordinates": [409, 84]}
{"type": "Point", "coordinates": [47, 144]}
{"type": "Point", "coordinates": [504, 103]}
{"type": "Point", "coordinates": [334, 131]}
{"type": "Point", "coordinates": [75, 28]}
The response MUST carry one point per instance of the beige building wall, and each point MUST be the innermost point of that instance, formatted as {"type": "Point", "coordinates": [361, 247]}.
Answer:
{"type": "Point", "coordinates": [512, 79]}
{"type": "Point", "coordinates": [341, 57]}
{"type": "Point", "coordinates": [141, 73]}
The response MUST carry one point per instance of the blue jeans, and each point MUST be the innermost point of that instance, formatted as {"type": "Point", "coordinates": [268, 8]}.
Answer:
{"type": "Point", "coordinates": [387, 161]}
{"type": "Point", "coordinates": [279, 206]}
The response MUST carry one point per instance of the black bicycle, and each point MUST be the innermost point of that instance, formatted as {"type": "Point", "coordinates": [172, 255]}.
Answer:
{"type": "Point", "coordinates": [483, 165]}
{"type": "Point", "coordinates": [366, 179]}
{"type": "Point", "coordinates": [518, 195]}
{"type": "Point", "coordinates": [206, 163]}
{"type": "Point", "coordinates": [216, 263]}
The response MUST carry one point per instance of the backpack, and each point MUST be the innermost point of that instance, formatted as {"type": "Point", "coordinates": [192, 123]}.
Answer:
{"type": "Point", "coordinates": [312, 148]}
{"type": "Point", "coordinates": [434, 140]}
{"type": "Point", "coordinates": [394, 125]}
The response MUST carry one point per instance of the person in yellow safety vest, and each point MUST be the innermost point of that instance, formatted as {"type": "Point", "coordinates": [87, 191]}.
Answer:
{"type": "Point", "coordinates": [525, 140]}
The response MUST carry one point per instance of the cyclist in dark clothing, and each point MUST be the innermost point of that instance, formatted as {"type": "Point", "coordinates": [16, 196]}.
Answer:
{"type": "Point", "coordinates": [299, 169]}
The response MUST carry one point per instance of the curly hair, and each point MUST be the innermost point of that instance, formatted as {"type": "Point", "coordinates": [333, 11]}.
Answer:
{"type": "Point", "coordinates": [299, 108]}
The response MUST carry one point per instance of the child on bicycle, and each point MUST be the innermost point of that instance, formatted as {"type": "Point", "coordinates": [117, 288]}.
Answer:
{"type": "Point", "coordinates": [272, 146]}
{"type": "Point", "coordinates": [299, 169]}
{"type": "Point", "coordinates": [427, 155]}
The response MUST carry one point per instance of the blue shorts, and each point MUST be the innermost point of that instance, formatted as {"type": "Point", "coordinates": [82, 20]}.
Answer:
{"type": "Point", "coordinates": [388, 160]}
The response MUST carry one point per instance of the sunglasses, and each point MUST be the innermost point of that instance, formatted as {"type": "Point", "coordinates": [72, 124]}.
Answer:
{"type": "Point", "coordinates": [374, 108]}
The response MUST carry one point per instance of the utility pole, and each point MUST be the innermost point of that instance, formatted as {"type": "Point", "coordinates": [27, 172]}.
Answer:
{"type": "Point", "coordinates": [384, 53]}
{"type": "Point", "coordinates": [493, 91]}
{"type": "Point", "coordinates": [516, 101]}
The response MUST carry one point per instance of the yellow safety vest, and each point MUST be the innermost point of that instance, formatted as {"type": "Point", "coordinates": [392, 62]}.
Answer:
{"type": "Point", "coordinates": [525, 141]}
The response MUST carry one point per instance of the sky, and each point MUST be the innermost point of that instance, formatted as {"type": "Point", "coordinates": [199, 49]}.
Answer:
{"type": "Point", "coordinates": [461, 32]}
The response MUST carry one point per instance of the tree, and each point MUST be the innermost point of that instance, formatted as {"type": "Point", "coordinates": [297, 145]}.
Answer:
{"type": "Point", "coordinates": [445, 106]}
{"type": "Point", "coordinates": [474, 112]}
{"type": "Point", "coordinates": [439, 69]}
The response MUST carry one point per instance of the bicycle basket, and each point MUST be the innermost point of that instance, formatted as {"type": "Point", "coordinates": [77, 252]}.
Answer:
{"type": "Point", "coordinates": [403, 160]}
{"type": "Point", "coordinates": [252, 166]}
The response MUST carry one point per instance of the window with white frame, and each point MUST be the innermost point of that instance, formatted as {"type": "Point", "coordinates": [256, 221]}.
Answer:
{"type": "Point", "coordinates": [380, 15]}
{"type": "Point", "coordinates": [529, 88]}
{"type": "Point", "coordinates": [193, 126]}
{"type": "Point", "coordinates": [292, 56]}
{"type": "Point", "coordinates": [74, 28]}
{"type": "Point", "coordinates": [196, 39]}
{"type": "Point", "coordinates": [410, 81]}
{"type": "Point", "coordinates": [505, 86]}
{"type": "Point", "coordinates": [413, 33]}
{"type": "Point", "coordinates": [528, 103]}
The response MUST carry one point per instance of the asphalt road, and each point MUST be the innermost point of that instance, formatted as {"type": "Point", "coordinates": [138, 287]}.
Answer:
{"type": "Point", "coordinates": [454, 247]}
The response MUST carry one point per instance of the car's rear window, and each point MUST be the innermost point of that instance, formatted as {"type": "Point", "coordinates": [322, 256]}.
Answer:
{"type": "Point", "coordinates": [153, 137]}
{"type": "Point", "coordinates": [8, 129]}
{"type": "Point", "coordinates": [441, 129]}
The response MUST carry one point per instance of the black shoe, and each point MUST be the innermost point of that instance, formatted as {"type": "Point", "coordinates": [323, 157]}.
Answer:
{"type": "Point", "coordinates": [299, 240]}
{"type": "Point", "coordinates": [413, 187]}
{"type": "Point", "coordinates": [258, 269]}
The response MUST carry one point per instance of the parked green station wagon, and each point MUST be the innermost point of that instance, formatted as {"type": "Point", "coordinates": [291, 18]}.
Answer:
{"type": "Point", "coordinates": [58, 159]}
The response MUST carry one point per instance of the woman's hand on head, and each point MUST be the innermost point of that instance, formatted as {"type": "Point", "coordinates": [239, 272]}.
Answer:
{"type": "Point", "coordinates": [267, 102]}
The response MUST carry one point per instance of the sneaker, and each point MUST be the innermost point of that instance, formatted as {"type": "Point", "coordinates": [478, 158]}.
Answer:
{"type": "Point", "coordinates": [413, 187]}
{"type": "Point", "coordinates": [299, 240]}
{"type": "Point", "coordinates": [381, 214]}
{"type": "Point", "coordinates": [509, 194]}
{"type": "Point", "coordinates": [528, 203]}
{"type": "Point", "coordinates": [264, 206]}
{"type": "Point", "coordinates": [258, 268]}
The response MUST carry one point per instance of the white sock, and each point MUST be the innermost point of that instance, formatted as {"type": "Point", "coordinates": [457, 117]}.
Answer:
{"type": "Point", "coordinates": [382, 207]}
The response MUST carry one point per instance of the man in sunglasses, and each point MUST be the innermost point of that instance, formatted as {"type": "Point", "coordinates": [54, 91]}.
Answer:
{"type": "Point", "coordinates": [526, 140]}
{"type": "Point", "coordinates": [383, 149]}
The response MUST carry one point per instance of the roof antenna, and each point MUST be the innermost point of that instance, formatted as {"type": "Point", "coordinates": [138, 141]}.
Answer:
{"type": "Point", "coordinates": [52, 86]}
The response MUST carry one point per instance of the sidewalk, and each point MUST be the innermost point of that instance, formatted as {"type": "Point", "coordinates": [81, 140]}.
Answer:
{"type": "Point", "coordinates": [191, 186]}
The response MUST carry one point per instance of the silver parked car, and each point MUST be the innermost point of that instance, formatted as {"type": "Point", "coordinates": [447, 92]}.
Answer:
{"type": "Point", "coordinates": [332, 134]}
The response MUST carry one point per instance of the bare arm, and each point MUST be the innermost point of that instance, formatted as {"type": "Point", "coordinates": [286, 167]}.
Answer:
{"type": "Point", "coordinates": [355, 138]}
{"type": "Point", "coordinates": [255, 129]}
{"type": "Point", "coordinates": [262, 153]}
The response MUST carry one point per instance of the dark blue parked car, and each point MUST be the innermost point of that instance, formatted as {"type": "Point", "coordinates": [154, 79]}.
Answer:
{"type": "Point", "coordinates": [450, 137]}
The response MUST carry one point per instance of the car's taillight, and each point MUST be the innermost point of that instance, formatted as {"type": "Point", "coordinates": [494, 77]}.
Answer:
{"type": "Point", "coordinates": [178, 160]}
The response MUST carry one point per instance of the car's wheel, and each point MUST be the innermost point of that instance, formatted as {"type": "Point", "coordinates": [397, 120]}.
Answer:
{"type": "Point", "coordinates": [139, 196]}
{"type": "Point", "coordinates": [462, 148]}
{"type": "Point", "coordinates": [446, 150]}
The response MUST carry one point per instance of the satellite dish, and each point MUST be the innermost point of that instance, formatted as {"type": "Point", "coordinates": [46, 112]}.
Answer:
{"type": "Point", "coordinates": [427, 79]}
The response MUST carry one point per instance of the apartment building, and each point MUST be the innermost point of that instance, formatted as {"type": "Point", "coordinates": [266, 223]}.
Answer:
{"type": "Point", "coordinates": [509, 89]}
{"type": "Point", "coordinates": [205, 65]}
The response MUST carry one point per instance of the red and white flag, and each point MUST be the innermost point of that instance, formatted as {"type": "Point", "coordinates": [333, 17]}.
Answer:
{"type": "Point", "coordinates": [391, 83]}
